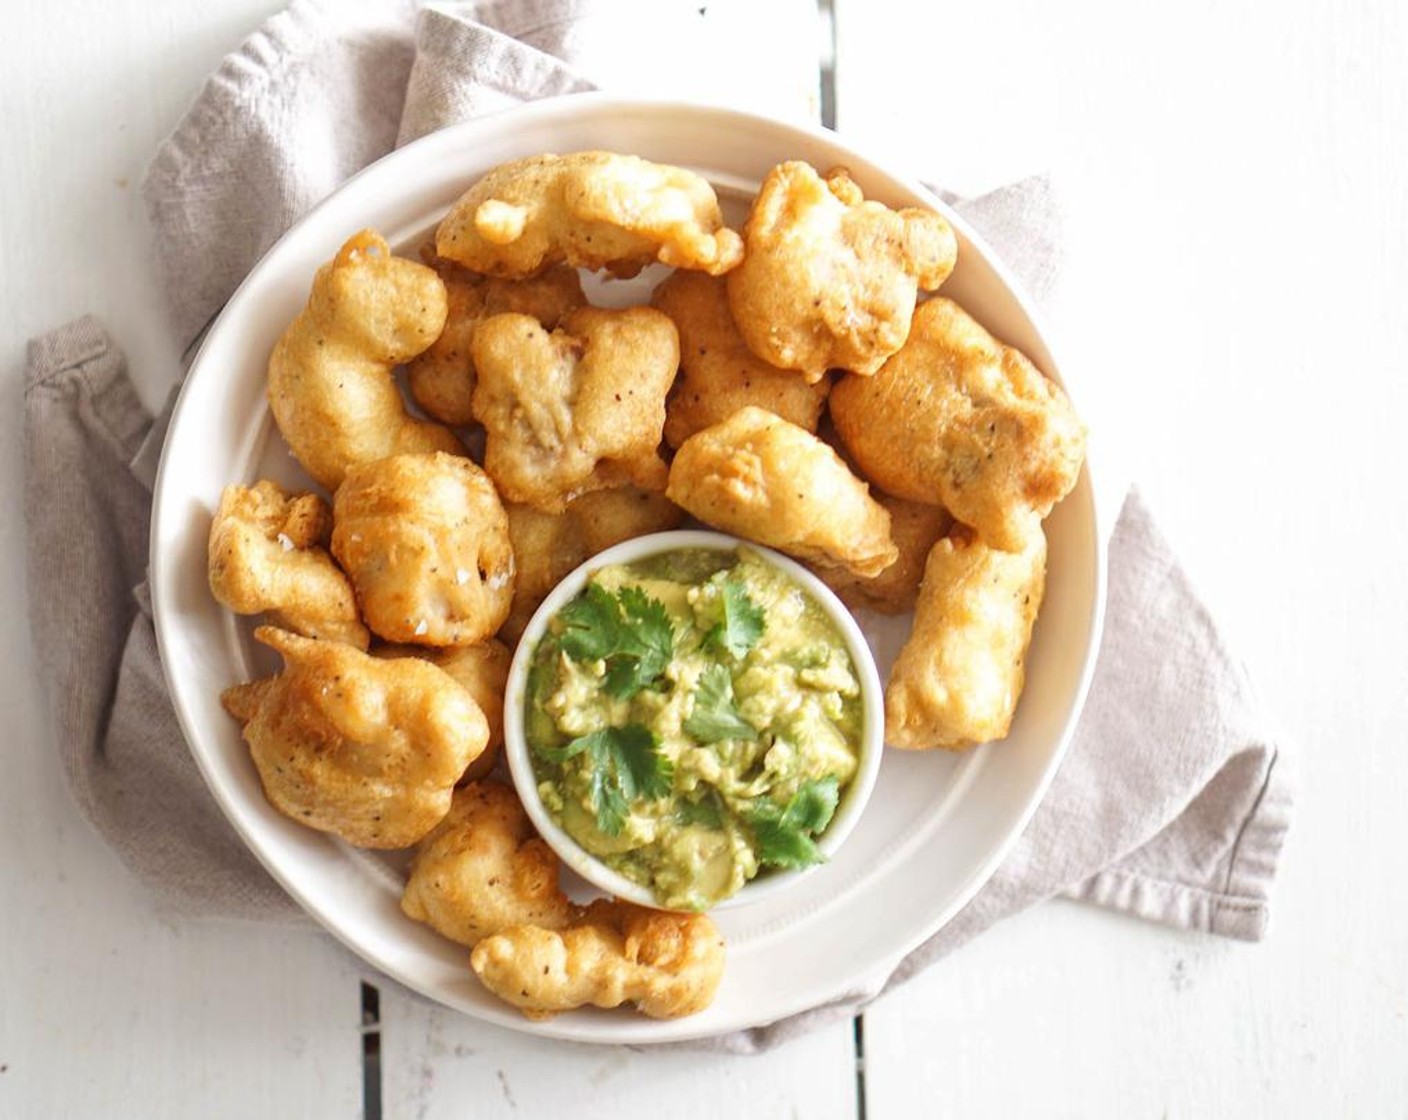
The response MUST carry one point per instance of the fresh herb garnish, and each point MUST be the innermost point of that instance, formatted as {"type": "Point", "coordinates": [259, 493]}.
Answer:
{"type": "Point", "coordinates": [715, 718]}
{"type": "Point", "coordinates": [629, 630]}
{"type": "Point", "coordinates": [785, 835]}
{"type": "Point", "coordinates": [706, 811]}
{"type": "Point", "coordinates": [625, 763]}
{"type": "Point", "coordinates": [742, 624]}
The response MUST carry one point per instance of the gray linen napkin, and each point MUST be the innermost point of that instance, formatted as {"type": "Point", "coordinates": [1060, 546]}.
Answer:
{"type": "Point", "coordinates": [1172, 803]}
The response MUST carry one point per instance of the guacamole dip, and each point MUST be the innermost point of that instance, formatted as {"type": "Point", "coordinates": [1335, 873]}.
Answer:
{"type": "Point", "coordinates": [693, 719]}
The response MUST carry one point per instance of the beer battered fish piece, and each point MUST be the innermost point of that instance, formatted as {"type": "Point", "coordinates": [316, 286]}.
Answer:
{"type": "Point", "coordinates": [481, 669]}
{"type": "Point", "coordinates": [266, 554]}
{"type": "Point", "coordinates": [957, 680]}
{"type": "Point", "coordinates": [330, 376]}
{"type": "Point", "coordinates": [590, 210]}
{"type": "Point", "coordinates": [667, 964]}
{"type": "Point", "coordinates": [828, 279]}
{"type": "Point", "coordinates": [763, 478]}
{"type": "Point", "coordinates": [575, 410]}
{"type": "Point", "coordinates": [424, 540]}
{"type": "Point", "coordinates": [484, 870]}
{"type": "Point", "coordinates": [915, 529]}
{"type": "Point", "coordinates": [442, 379]}
{"type": "Point", "coordinates": [959, 419]}
{"type": "Point", "coordinates": [546, 546]}
{"type": "Point", "coordinates": [366, 749]}
{"type": "Point", "coordinates": [718, 373]}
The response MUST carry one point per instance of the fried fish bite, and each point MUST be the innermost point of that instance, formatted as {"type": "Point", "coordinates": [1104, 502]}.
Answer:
{"type": "Point", "coordinates": [577, 409]}
{"type": "Point", "coordinates": [424, 540]}
{"type": "Point", "coordinates": [915, 528]}
{"type": "Point", "coordinates": [829, 280]}
{"type": "Point", "coordinates": [957, 680]}
{"type": "Point", "coordinates": [366, 749]}
{"type": "Point", "coordinates": [484, 870]}
{"type": "Point", "coordinates": [959, 419]}
{"type": "Point", "coordinates": [547, 546]}
{"type": "Point", "coordinates": [442, 379]}
{"type": "Point", "coordinates": [483, 670]}
{"type": "Point", "coordinates": [265, 554]}
{"type": "Point", "coordinates": [718, 373]}
{"type": "Point", "coordinates": [608, 517]}
{"type": "Point", "coordinates": [330, 383]}
{"type": "Point", "coordinates": [667, 964]}
{"type": "Point", "coordinates": [589, 210]}
{"type": "Point", "coordinates": [775, 483]}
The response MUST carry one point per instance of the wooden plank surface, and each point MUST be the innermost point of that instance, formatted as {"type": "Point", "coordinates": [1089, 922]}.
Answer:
{"type": "Point", "coordinates": [107, 1008]}
{"type": "Point", "coordinates": [1235, 190]}
{"type": "Point", "coordinates": [436, 1062]}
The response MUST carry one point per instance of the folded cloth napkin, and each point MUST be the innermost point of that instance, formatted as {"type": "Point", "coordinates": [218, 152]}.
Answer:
{"type": "Point", "coordinates": [1171, 804]}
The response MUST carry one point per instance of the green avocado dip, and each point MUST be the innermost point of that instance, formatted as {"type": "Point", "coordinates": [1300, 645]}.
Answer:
{"type": "Point", "coordinates": [693, 719]}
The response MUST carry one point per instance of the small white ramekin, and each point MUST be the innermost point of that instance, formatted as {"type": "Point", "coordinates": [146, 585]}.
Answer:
{"type": "Point", "coordinates": [853, 798]}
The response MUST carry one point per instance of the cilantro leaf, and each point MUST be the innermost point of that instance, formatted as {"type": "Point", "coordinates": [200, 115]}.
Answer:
{"type": "Point", "coordinates": [649, 619]}
{"type": "Point", "coordinates": [779, 846]}
{"type": "Point", "coordinates": [612, 806]}
{"type": "Point", "coordinates": [629, 630]}
{"type": "Point", "coordinates": [623, 763]}
{"type": "Point", "coordinates": [569, 750]}
{"type": "Point", "coordinates": [813, 805]}
{"type": "Point", "coordinates": [642, 770]}
{"type": "Point", "coordinates": [625, 676]}
{"type": "Point", "coordinates": [742, 624]}
{"type": "Point", "coordinates": [591, 625]}
{"type": "Point", "coordinates": [784, 835]}
{"type": "Point", "coordinates": [706, 811]}
{"type": "Point", "coordinates": [715, 718]}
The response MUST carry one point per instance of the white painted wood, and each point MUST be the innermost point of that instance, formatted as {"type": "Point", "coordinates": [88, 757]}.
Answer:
{"type": "Point", "coordinates": [437, 1062]}
{"type": "Point", "coordinates": [88, 91]}
{"type": "Point", "coordinates": [105, 1008]}
{"type": "Point", "coordinates": [1235, 182]}
{"type": "Point", "coordinates": [1235, 189]}
{"type": "Point", "coordinates": [109, 1010]}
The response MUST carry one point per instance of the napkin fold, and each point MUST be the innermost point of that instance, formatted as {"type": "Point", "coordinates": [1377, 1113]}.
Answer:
{"type": "Point", "coordinates": [1173, 801]}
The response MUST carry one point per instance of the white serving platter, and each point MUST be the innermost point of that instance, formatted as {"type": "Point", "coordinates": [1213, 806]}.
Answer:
{"type": "Point", "coordinates": [938, 824]}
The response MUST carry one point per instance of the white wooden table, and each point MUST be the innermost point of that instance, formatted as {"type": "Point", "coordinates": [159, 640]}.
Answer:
{"type": "Point", "coordinates": [1235, 305]}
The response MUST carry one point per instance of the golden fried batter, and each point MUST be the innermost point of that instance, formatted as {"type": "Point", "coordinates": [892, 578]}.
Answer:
{"type": "Point", "coordinates": [915, 528]}
{"type": "Point", "coordinates": [484, 870]}
{"type": "Point", "coordinates": [442, 379]}
{"type": "Point", "coordinates": [266, 554]}
{"type": "Point", "coordinates": [609, 517]}
{"type": "Point", "coordinates": [959, 419]}
{"type": "Point", "coordinates": [719, 374]}
{"type": "Point", "coordinates": [367, 749]}
{"type": "Point", "coordinates": [667, 964]}
{"type": "Point", "coordinates": [775, 483]}
{"type": "Point", "coordinates": [576, 410]}
{"type": "Point", "coordinates": [424, 540]}
{"type": "Point", "coordinates": [483, 670]}
{"type": "Point", "coordinates": [547, 546]}
{"type": "Point", "coordinates": [958, 677]}
{"type": "Point", "coordinates": [330, 383]}
{"type": "Point", "coordinates": [829, 280]}
{"type": "Point", "coordinates": [591, 210]}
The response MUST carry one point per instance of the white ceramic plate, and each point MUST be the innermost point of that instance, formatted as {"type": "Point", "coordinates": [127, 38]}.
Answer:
{"type": "Point", "coordinates": [938, 824]}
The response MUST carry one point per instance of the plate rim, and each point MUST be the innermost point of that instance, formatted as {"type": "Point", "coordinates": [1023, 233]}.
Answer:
{"type": "Point", "coordinates": [566, 110]}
